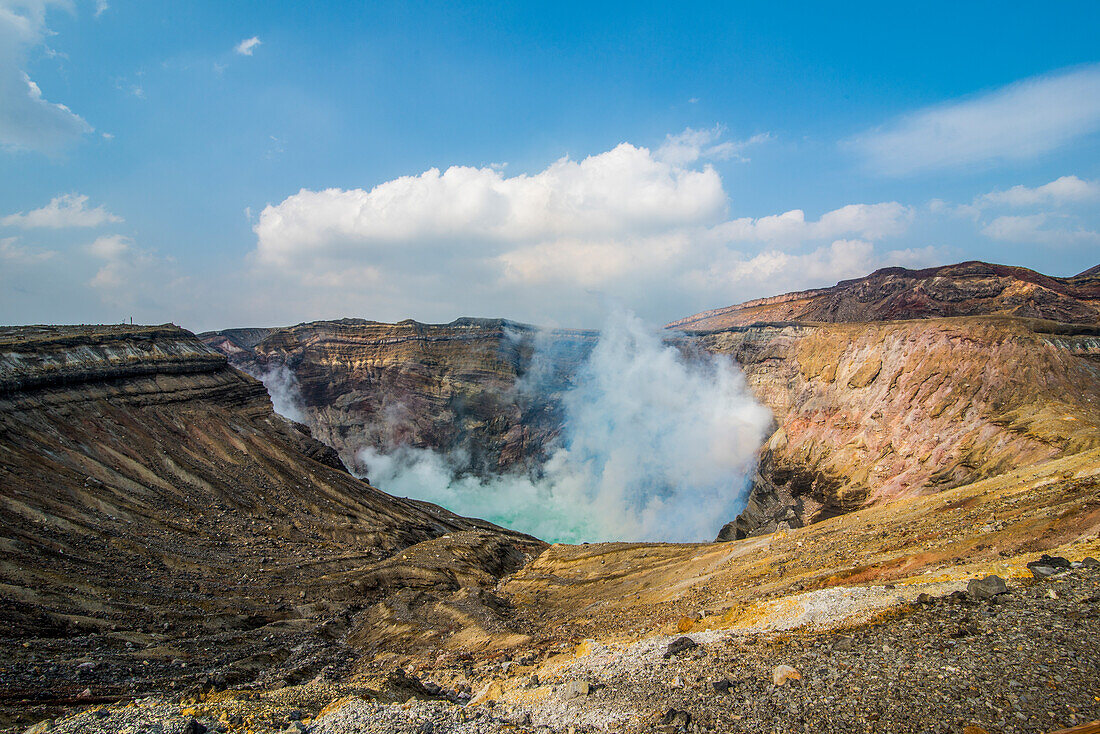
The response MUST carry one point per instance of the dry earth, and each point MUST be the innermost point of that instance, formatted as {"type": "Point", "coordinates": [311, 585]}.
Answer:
{"type": "Point", "coordinates": [839, 601]}
{"type": "Point", "coordinates": [177, 558]}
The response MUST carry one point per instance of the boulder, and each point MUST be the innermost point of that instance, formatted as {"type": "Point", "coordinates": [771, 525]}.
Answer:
{"type": "Point", "coordinates": [678, 645]}
{"type": "Point", "coordinates": [986, 588]}
{"type": "Point", "coordinates": [783, 673]}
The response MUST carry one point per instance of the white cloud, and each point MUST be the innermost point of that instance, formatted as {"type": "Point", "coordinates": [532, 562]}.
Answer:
{"type": "Point", "coordinates": [628, 223]}
{"type": "Point", "coordinates": [15, 254]}
{"type": "Point", "coordinates": [786, 271]}
{"type": "Point", "coordinates": [692, 145]}
{"type": "Point", "coordinates": [247, 46]}
{"type": "Point", "coordinates": [147, 284]}
{"type": "Point", "coordinates": [1034, 229]}
{"type": "Point", "coordinates": [131, 275]}
{"type": "Point", "coordinates": [1017, 122]}
{"type": "Point", "coordinates": [870, 221]}
{"type": "Point", "coordinates": [101, 7]}
{"type": "Point", "coordinates": [592, 264]}
{"type": "Point", "coordinates": [478, 211]}
{"type": "Point", "coordinates": [1059, 192]}
{"type": "Point", "coordinates": [110, 247]}
{"type": "Point", "coordinates": [27, 120]}
{"type": "Point", "coordinates": [68, 210]}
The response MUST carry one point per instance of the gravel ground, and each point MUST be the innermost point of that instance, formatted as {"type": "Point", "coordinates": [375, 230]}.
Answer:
{"type": "Point", "coordinates": [1024, 661]}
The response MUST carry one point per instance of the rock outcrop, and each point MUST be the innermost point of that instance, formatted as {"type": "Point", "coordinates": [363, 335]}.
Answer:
{"type": "Point", "coordinates": [868, 413]}
{"type": "Point", "coordinates": [965, 289]}
{"type": "Point", "coordinates": [155, 510]}
{"type": "Point", "coordinates": [485, 389]}
{"type": "Point", "coordinates": [901, 383]}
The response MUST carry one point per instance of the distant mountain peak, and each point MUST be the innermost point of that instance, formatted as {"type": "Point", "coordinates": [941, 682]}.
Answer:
{"type": "Point", "coordinates": [971, 288]}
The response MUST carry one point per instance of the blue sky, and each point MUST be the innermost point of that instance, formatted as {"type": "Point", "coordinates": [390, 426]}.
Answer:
{"type": "Point", "coordinates": [674, 158]}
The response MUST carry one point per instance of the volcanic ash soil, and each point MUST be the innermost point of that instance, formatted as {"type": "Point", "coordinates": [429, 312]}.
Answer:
{"type": "Point", "coordinates": [1026, 660]}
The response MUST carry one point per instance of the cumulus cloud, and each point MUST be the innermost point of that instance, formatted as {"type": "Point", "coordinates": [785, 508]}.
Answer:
{"type": "Point", "coordinates": [1059, 192]}
{"type": "Point", "coordinates": [1018, 122]}
{"type": "Point", "coordinates": [1059, 213]}
{"type": "Point", "coordinates": [871, 221]}
{"type": "Point", "coordinates": [824, 265]}
{"type": "Point", "coordinates": [1042, 228]}
{"type": "Point", "coordinates": [128, 274]}
{"type": "Point", "coordinates": [647, 227]}
{"type": "Point", "coordinates": [13, 253]}
{"type": "Point", "coordinates": [27, 120]}
{"type": "Point", "coordinates": [625, 191]}
{"type": "Point", "coordinates": [67, 210]}
{"type": "Point", "coordinates": [247, 46]}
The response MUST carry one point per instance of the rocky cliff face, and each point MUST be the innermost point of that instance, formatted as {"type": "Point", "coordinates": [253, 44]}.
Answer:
{"type": "Point", "coordinates": [868, 413]}
{"type": "Point", "coordinates": [897, 384]}
{"type": "Point", "coordinates": [487, 389]}
{"type": "Point", "coordinates": [907, 382]}
{"type": "Point", "coordinates": [965, 289]}
{"type": "Point", "coordinates": [154, 510]}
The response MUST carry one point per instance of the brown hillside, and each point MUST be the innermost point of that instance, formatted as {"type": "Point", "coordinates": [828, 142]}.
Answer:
{"type": "Point", "coordinates": [964, 289]}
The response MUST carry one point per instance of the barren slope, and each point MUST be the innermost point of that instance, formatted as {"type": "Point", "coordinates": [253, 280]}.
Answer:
{"type": "Point", "coordinates": [161, 523]}
{"type": "Point", "coordinates": [964, 289]}
{"type": "Point", "coordinates": [163, 529]}
{"type": "Point", "coordinates": [866, 413]}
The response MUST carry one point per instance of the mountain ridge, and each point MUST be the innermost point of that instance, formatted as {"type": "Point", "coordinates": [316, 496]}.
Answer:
{"type": "Point", "coordinates": [969, 288]}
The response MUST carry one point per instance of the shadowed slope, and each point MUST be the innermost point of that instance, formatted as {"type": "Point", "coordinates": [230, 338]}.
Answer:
{"type": "Point", "coordinates": [158, 515]}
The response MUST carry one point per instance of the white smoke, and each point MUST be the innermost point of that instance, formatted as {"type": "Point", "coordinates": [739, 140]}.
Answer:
{"type": "Point", "coordinates": [285, 393]}
{"type": "Point", "coordinates": [655, 446]}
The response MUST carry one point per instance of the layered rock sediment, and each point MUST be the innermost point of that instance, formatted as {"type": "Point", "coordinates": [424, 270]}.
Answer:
{"type": "Point", "coordinates": [964, 289]}
{"type": "Point", "coordinates": [904, 382]}
{"type": "Point", "coordinates": [156, 511]}
{"type": "Point", "coordinates": [868, 413]}
{"type": "Point", "coordinates": [487, 390]}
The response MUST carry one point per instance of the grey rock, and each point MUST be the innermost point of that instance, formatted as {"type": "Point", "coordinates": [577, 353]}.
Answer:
{"type": "Point", "coordinates": [1052, 561]}
{"type": "Point", "coordinates": [986, 588]}
{"type": "Point", "coordinates": [1041, 572]}
{"type": "Point", "coordinates": [679, 645]}
{"type": "Point", "coordinates": [843, 644]}
{"type": "Point", "coordinates": [722, 686]}
{"type": "Point", "coordinates": [1090, 562]}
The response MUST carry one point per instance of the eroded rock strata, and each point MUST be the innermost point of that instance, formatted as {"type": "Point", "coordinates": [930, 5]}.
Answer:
{"type": "Point", "coordinates": [165, 533]}
{"type": "Point", "coordinates": [964, 289]}
{"type": "Point", "coordinates": [879, 390]}
{"type": "Point", "coordinates": [486, 389]}
{"type": "Point", "coordinates": [868, 413]}
{"type": "Point", "coordinates": [162, 524]}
